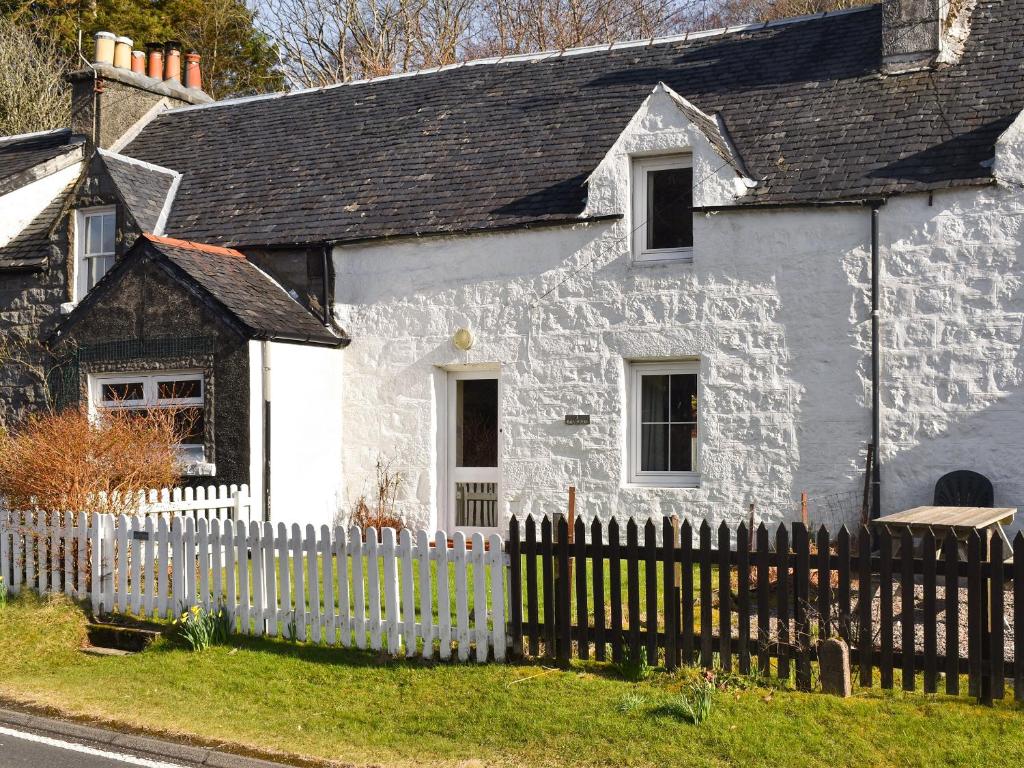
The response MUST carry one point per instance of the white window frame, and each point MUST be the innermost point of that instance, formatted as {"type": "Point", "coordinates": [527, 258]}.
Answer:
{"type": "Point", "coordinates": [81, 246]}
{"type": "Point", "coordinates": [666, 478]}
{"type": "Point", "coordinates": [454, 474]}
{"type": "Point", "coordinates": [641, 167]}
{"type": "Point", "coordinates": [151, 399]}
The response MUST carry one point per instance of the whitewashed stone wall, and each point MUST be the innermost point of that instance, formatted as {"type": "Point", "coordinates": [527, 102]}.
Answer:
{"type": "Point", "coordinates": [775, 306]}
{"type": "Point", "coordinates": [954, 361]}
{"type": "Point", "coordinates": [772, 305]}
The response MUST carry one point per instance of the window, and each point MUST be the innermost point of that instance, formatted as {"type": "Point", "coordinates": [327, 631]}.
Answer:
{"type": "Point", "coordinates": [662, 208]}
{"type": "Point", "coordinates": [95, 237]}
{"type": "Point", "coordinates": [182, 391]}
{"type": "Point", "coordinates": [663, 445]}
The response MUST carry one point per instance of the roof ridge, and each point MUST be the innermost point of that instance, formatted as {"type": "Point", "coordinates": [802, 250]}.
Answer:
{"type": "Point", "coordinates": [33, 135]}
{"type": "Point", "coordinates": [534, 57]}
{"type": "Point", "coordinates": [194, 246]}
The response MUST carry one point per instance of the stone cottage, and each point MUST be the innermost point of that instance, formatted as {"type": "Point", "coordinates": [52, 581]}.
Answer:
{"type": "Point", "coordinates": [683, 275]}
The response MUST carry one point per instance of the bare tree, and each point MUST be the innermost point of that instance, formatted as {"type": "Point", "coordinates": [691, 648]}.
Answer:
{"type": "Point", "coordinates": [33, 93]}
{"type": "Point", "coordinates": [330, 41]}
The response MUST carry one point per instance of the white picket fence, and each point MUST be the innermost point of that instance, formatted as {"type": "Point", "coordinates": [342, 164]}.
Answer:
{"type": "Point", "coordinates": [334, 586]}
{"type": "Point", "coordinates": [222, 502]}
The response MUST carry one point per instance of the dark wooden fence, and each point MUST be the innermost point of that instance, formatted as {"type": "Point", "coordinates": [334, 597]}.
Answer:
{"type": "Point", "coordinates": [775, 597]}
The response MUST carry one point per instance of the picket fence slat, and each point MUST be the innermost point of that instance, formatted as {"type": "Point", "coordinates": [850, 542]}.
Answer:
{"type": "Point", "coordinates": [312, 583]}
{"type": "Point", "coordinates": [461, 597]}
{"type": "Point", "coordinates": [426, 608]}
{"type": "Point", "coordinates": [345, 615]}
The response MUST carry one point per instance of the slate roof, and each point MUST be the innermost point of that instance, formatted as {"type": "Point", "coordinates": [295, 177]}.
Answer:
{"type": "Point", "coordinates": [144, 188]}
{"type": "Point", "coordinates": [511, 143]}
{"type": "Point", "coordinates": [259, 303]}
{"type": "Point", "coordinates": [30, 248]}
{"type": "Point", "coordinates": [21, 153]}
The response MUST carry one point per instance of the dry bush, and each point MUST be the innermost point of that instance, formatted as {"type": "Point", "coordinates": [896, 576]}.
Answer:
{"type": "Point", "coordinates": [33, 93]}
{"type": "Point", "coordinates": [380, 511]}
{"type": "Point", "coordinates": [72, 461]}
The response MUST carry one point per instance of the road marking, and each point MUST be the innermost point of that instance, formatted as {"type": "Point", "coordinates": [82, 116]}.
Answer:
{"type": "Point", "coordinates": [72, 746]}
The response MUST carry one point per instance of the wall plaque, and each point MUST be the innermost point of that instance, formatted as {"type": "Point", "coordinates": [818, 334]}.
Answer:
{"type": "Point", "coordinates": [577, 419]}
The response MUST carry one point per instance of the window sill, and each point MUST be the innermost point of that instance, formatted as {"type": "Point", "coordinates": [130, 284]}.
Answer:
{"type": "Point", "coordinates": [664, 483]}
{"type": "Point", "coordinates": [198, 469]}
{"type": "Point", "coordinates": [656, 259]}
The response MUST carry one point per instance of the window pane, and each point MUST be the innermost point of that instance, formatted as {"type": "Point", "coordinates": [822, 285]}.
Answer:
{"type": "Point", "coordinates": [684, 440]}
{"type": "Point", "coordinates": [98, 266]}
{"type": "Point", "coordinates": [118, 393]}
{"type": "Point", "coordinates": [179, 389]}
{"type": "Point", "coordinates": [93, 234]}
{"type": "Point", "coordinates": [476, 423]}
{"type": "Point", "coordinates": [107, 243]}
{"type": "Point", "coordinates": [684, 397]}
{"type": "Point", "coordinates": [670, 208]}
{"type": "Point", "coordinates": [654, 447]}
{"type": "Point", "coordinates": [654, 392]}
{"type": "Point", "coordinates": [189, 425]}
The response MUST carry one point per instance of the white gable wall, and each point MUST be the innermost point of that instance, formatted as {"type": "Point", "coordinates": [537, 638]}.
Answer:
{"type": "Point", "coordinates": [22, 205]}
{"type": "Point", "coordinates": [306, 390]}
{"type": "Point", "coordinates": [776, 307]}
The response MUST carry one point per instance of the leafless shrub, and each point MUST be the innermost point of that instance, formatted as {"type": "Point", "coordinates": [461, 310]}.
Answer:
{"type": "Point", "coordinates": [74, 461]}
{"type": "Point", "coordinates": [33, 93]}
{"type": "Point", "coordinates": [380, 511]}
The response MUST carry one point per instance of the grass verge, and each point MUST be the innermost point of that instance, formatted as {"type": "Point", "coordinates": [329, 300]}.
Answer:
{"type": "Point", "coordinates": [355, 707]}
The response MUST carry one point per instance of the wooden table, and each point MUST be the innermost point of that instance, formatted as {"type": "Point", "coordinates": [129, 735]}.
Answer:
{"type": "Point", "coordinates": [960, 521]}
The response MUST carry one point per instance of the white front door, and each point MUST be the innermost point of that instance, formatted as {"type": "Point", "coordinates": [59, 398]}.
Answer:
{"type": "Point", "coordinates": [473, 440]}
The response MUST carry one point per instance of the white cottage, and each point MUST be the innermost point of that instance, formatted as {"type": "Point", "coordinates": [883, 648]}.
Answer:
{"type": "Point", "coordinates": [683, 276]}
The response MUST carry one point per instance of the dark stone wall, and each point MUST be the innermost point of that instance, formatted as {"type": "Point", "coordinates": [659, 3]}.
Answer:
{"type": "Point", "coordinates": [30, 301]}
{"type": "Point", "coordinates": [146, 306]}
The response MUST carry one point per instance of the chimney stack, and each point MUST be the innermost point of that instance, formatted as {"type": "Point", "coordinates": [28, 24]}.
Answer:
{"type": "Point", "coordinates": [193, 74]}
{"type": "Point", "coordinates": [138, 62]}
{"type": "Point", "coordinates": [912, 32]}
{"type": "Point", "coordinates": [172, 60]}
{"type": "Point", "coordinates": [104, 53]}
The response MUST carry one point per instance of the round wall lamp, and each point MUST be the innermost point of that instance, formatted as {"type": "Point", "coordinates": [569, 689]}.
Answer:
{"type": "Point", "coordinates": [463, 339]}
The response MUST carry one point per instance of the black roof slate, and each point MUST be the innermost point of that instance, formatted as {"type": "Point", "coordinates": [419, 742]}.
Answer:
{"type": "Point", "coordinates": [143, 189]}
{"type": "Point", "coordinates": [498, 145]}
{"type": "Point", "coordinates": [20, 153]}
{"type": "Point", "coordinates": [30, 248]}
{"type": "Point", "coordinates": [254, 299]}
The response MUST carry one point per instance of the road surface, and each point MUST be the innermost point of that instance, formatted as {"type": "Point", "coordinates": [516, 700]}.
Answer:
{"type": "Point", "coordinates": [25, 749]}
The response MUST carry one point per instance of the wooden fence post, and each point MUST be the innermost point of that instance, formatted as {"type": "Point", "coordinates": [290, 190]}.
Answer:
{"type": "Point", "coordinates": [669, 589]}
{"type": "Point", "coordinates": [563, 610]}
{"type": "Point", "coordinates": [801, 605]}
{"type": "Point", "coordinates": [515, 588]}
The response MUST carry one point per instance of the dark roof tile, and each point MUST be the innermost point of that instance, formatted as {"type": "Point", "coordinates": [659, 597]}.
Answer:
{"type": "Point", "coordinates": [498, 145]}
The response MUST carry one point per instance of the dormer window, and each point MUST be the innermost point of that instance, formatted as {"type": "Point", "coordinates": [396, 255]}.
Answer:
{"type": "Point", "coordinates": [95, 230]}
{"type": "Point", "coordinates": [663, 208]}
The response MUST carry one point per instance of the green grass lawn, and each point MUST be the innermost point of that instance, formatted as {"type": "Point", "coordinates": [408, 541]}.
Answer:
{"type": "Point", "coordinates": [355, 707]}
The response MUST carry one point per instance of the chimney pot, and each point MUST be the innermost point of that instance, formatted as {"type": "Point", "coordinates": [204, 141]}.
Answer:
{"type": "Point", "coordinates": [104, 48]}
{"type": "Point", "coordinates": [123, 52]}
{"type": "Point", "coordinates": [138, 62]}
{"type": "Point", "coordinates": [193, 74]}
{"type": "Point", "coordinates": [155, 60]}
{"type": "Point", "coordinates": [172, 60]}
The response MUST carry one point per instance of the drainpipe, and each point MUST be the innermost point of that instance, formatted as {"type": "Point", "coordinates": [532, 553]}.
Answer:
{"type": "Point", "coordinates": [876, 366]}
{"type": "Point", "coordinates": [326, 255]}
{"type": "Point", "coordinates": [265, 349]}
